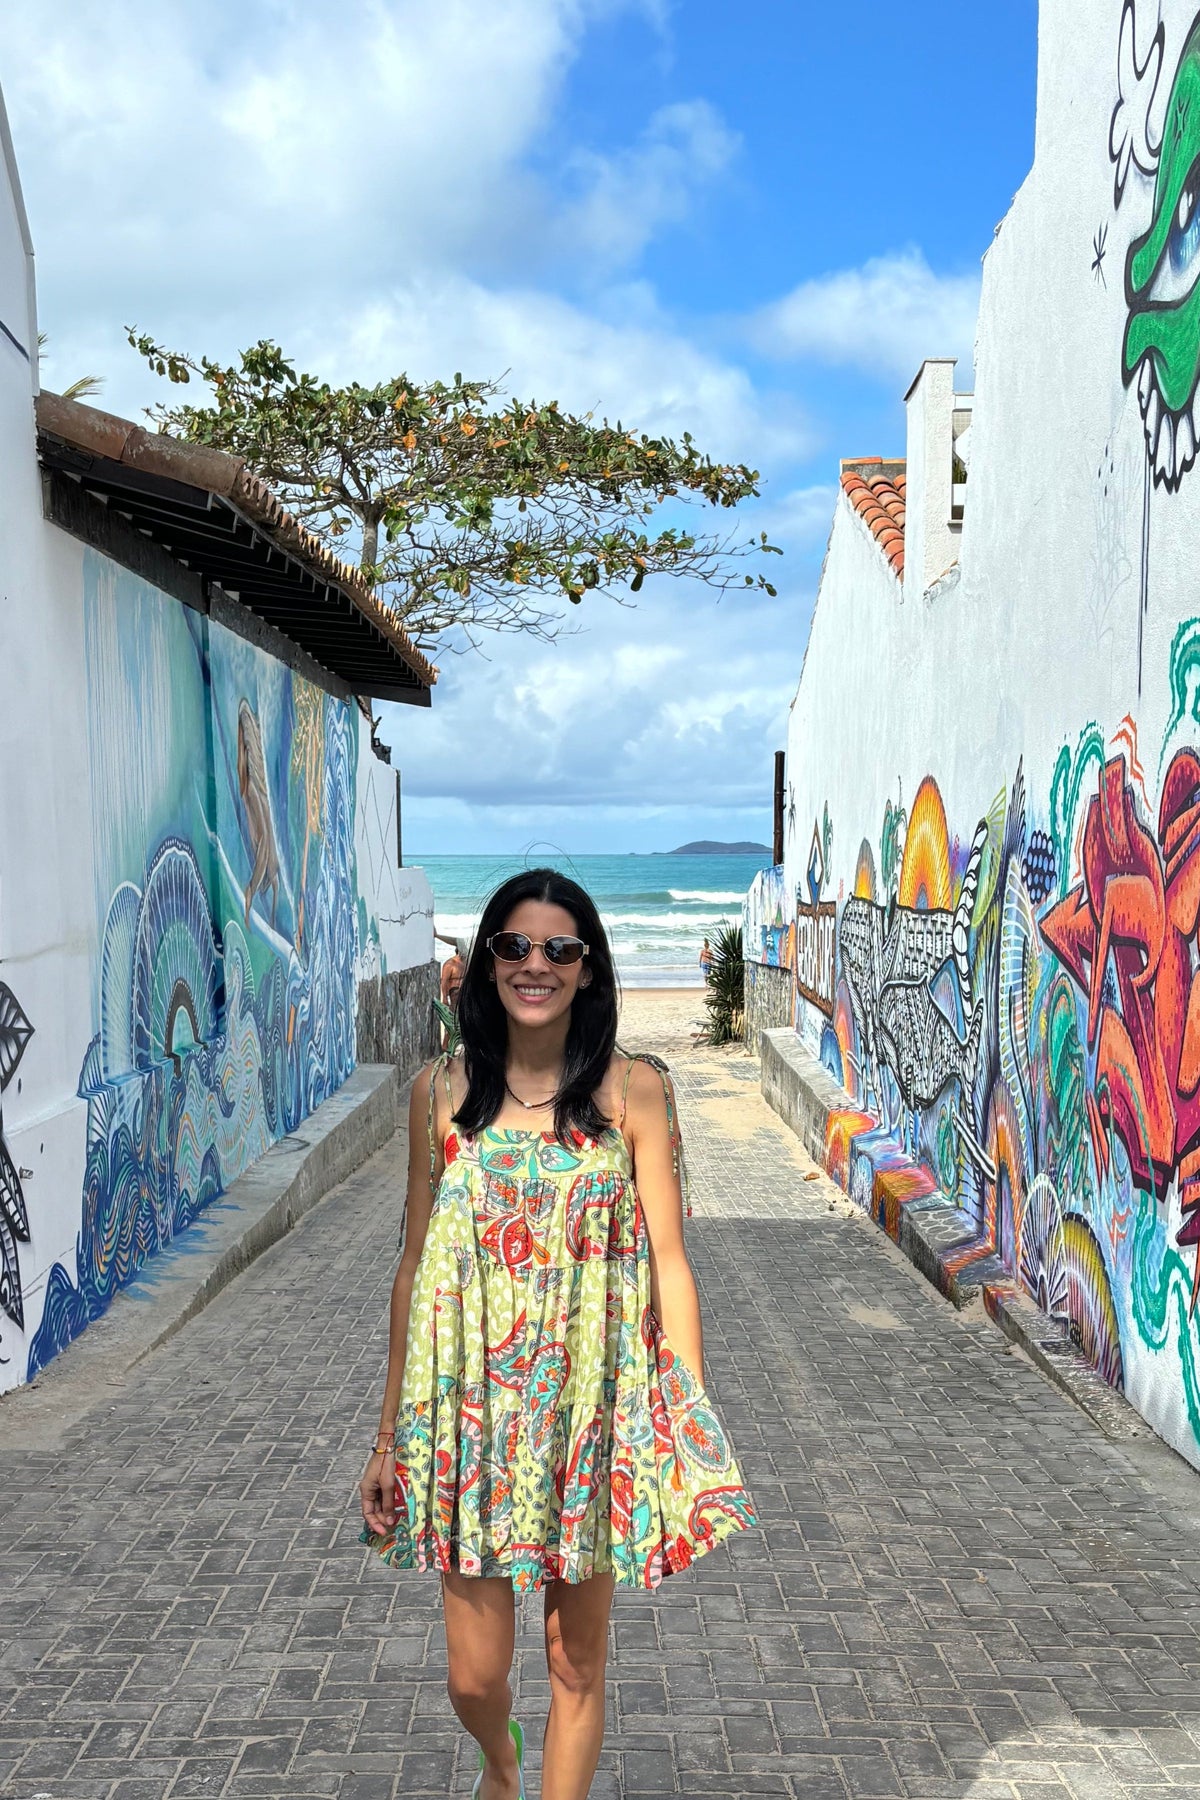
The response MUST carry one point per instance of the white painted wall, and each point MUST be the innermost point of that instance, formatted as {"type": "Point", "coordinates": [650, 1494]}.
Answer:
{"type": "Point", "coordinates": [931, 538]}
{"type": "Point", "coordinates": [399, 899]}
{"type": "Point", "coordinates": [1003, 666]}
{"type": "Point", "coordinates": [53, 716]}
{"type": "Point", "coordinates": [47, 932]}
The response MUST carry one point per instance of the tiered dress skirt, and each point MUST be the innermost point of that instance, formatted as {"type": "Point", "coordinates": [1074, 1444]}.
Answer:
{"type": "Point", "coordinates": [547, 1430]}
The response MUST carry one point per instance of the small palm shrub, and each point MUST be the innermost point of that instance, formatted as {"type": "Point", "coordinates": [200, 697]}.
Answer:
{"type": "Point", "coordinates": [449, 1021]}
{"type": "Point", "coordinates": [726, 995]}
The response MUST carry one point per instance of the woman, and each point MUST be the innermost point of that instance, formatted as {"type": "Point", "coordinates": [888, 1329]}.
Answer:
{"type": "Point", "coordinates": [545, 1422]}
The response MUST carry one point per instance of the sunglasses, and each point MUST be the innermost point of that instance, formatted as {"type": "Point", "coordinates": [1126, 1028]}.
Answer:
{"type": "Point", "coordinates": [514, 947]}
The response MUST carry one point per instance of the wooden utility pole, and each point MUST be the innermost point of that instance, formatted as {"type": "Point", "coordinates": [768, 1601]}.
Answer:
{"type": "Point", "coordinates": [780, 762]}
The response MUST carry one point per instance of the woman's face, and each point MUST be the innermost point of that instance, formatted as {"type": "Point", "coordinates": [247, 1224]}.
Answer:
{"type": "Point", "coordinates": [537, 992]}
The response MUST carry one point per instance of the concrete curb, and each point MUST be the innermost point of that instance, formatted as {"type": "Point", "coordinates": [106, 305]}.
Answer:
{"type": "Point", "coordinates": [173, 1286]}
{"type": "Point", "coordinates": [1034, 1332]}
{"type": "Point", "coordinates": [936, 1237]}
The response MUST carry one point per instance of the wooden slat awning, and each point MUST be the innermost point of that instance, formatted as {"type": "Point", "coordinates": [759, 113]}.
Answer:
{"type": "Point", "coordinates": [217, 519]}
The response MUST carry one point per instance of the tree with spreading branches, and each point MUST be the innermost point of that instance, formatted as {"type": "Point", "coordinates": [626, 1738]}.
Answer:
{"type": "Point", "coordinates": [463, 508]}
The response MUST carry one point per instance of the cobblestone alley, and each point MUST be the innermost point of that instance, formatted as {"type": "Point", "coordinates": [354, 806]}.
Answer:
{"type": "Point", "coordinates": [960, 1587]}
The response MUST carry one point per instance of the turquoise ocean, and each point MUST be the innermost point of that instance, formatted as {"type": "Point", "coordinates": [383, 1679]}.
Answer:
{"type": "Point", "coordinates": [657, 909]}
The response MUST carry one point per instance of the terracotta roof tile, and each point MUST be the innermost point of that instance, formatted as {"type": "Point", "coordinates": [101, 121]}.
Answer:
{"type": "Point", "coordinates": [875, 489]}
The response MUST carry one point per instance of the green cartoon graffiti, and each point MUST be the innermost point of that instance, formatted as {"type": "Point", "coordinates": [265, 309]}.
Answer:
{"type": "Point", "coordinates": [1162, 283]}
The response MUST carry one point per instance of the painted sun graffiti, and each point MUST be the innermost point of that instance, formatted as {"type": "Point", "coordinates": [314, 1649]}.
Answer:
{"type": "Point", "coordinates": [965, 1040]}
{"type": "Point", "coordinates": [905, 964]}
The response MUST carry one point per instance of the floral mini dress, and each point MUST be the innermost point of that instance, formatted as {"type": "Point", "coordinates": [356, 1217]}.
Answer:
{"type": "Point", "coordinates": [547, 1430]}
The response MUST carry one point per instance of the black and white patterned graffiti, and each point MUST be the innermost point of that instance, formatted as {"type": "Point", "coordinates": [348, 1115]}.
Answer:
{"type": "Point", "coordinates": [910, 987]}
{"type": "Point", "coordinates": [15, 1033]}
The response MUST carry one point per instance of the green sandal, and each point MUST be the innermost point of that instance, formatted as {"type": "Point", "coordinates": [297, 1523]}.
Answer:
{"type": "Point", "coordinates": [518, 1737]}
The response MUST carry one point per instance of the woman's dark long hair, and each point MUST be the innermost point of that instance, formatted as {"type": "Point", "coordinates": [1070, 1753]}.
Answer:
{"type": "Point", "coordinates": [483, 1022]}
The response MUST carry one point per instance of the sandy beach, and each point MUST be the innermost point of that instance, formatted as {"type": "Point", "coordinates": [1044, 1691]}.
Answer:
{"type": "Point", "coordinates": [664, 1020]}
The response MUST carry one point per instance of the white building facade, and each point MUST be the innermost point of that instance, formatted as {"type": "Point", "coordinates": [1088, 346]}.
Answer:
{"type": "Point", "coordinates": [202, 923]}
{"type": "Point", "coordinates": [992, 869]}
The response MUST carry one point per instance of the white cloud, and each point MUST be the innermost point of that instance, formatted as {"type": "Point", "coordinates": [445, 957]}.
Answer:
{"type": "Point", "coordinates": [257, 164]}
{"type": "Point", "coordinates": [679, 700]}
{"type": "Point", "coordinates": [368, 192]}
{"type": "Point", "coordinates": [885, 317]}
{"type": "Point", "coordinates": [798, 521]}
{"type": "Point", "coordinates": [629, 361]}
{"type": "Point", "coordinates": [214, 198]}
{"type": "Point", "coordinates": [629, 195]}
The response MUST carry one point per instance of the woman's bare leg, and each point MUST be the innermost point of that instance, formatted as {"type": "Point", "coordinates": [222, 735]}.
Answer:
{"type": "Point", "coordinates": [480, 1619]}
{"type": "Point", "coordinates": [576, 1655]}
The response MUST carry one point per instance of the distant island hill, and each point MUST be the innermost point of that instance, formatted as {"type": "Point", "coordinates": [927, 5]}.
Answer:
{"type": "Point", "coordinates": [706, 847]}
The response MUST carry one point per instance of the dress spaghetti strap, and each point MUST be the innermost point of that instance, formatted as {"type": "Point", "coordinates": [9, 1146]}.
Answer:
{"type": "Point", "coordinates": [443, 1064]}
{"type": "Point", "coordinates": [678, 1160]}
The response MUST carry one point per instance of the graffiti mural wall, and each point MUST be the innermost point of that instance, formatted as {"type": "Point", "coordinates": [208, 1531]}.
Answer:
{"type": "Point", "coordinates": [200, 897]}
{"type": "Point", "coordinates": [15, 1033]}
{"type": "Point", "coordinates": [769, 946]}
{"type": "Point", "coordinates": [226, 893]}
{"type": "Point", "coordinates": [768, 928]}
{"type": "Point", "coordinates": [996, 918]}
{"type": "Point", "coordinates": [237, 922]}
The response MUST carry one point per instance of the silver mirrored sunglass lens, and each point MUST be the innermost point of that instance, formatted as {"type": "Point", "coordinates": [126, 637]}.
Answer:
{"type": "Point", "coordinates": [514, 946]}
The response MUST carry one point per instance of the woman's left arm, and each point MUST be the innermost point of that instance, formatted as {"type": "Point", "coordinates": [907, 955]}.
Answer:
{"type": "Point", "coordinates": [673, 1293]}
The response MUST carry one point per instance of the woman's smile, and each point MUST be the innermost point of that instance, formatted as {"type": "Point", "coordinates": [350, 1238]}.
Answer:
{"type": "Point", "coordinates": [533, 992]}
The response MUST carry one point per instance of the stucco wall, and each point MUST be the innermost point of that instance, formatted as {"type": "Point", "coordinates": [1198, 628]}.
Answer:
{"type": "Point", "coordinates": [396, 919]}
{"type": "Point", "coordinates": [198, 884]}
{"type": "Point", "coordinates": [769, 1002]}
{"type": "Point", "coordinates": [1003, 770]}
{"type": "Point", "coordinates": [769, 942]}
{"type": "Point", "coordinates": [396, 1018]}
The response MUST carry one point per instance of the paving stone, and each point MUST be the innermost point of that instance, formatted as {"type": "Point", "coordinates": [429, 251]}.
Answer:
{"type": "Point", "coordinates": [960, 1589]}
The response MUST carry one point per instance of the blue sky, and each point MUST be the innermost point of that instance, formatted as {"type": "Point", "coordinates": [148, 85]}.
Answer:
{"type": "Point", "coordinates": [751, 222]}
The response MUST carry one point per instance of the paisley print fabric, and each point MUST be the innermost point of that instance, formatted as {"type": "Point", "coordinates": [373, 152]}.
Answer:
{"type": "Point", "coordinates": [547, 1429]}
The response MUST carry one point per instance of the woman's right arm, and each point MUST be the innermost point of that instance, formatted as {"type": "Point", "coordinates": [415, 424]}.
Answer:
{"type": "Point", "coordinates": [378, 1499]}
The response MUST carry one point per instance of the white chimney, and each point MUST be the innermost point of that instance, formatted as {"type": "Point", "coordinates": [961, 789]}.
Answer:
{"type": "Point", "coordinates": [934, 499]}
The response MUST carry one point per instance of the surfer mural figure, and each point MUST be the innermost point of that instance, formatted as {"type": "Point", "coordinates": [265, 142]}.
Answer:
{"type": "Point", "coordinates": [256, 799]}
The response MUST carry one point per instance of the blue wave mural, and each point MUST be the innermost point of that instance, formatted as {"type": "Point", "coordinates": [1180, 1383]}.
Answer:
{"type": "Point", "coordinates": [223, 800]}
